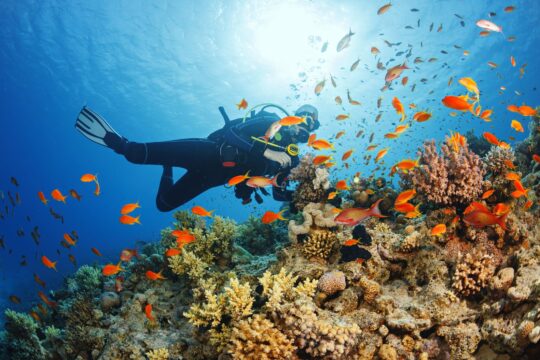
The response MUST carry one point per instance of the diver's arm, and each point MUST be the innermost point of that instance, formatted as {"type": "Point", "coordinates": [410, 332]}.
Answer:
{"type": "Point", "coordinates": [240, 135]}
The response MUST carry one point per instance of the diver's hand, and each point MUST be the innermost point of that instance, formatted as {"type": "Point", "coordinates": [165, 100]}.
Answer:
{"type": "Point", "coordinates": [278, 156]}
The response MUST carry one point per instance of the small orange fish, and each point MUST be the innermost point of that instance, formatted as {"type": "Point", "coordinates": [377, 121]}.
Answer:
{"type": "Point", "coordinates": [407, 164]}
{"type": "Point", "coordinates": [238, 179]}
{"type": "Point", "coordinates": [512, 176]}
{"type": "Point", "coordinates": [321, 144]}
{"type": "Point", "coordinates": [371, 147]}
{"type": "Point", "coordinates": [438, 230]}
{"type": "Point", "coordinates": [398, 106]}
{"type": "Point", "coordinates": [69, 239]}
{"type": "Point", "coordinates": [15, 299]}
{"type": "Point", "coordinates": [456, 103]}
{"type": "Point", "coordinates": [509, 164]}
{"type": "Point", "coordinates": [57, 195]}
{"type": "Point", "coordinates": [183, 237]}
{"type": "Point", "coordinates": [347, 155]}
{"type": "Point", "coordinates": [42, 198]}
{"type": "Point", "coordinates": [128, 208]}
{"type": "Point", "coordinates": [340, 134]}
{"type": "Point", "coordinates": [400, 129]}
{"type": "Point", "coordinates": [319, 87]}
{"type": "Point", "coordinates": [270, 216]}
{"type": "Point", "coordinates": [97, 191]}
{"type": "Point", "coordinates": [415, 213]}
{"type": "Point", "coordinates": [513, 108]}
{"type": "Point", "coordinates": [527, 205]}
{"type": "Point", "coordinates": [492, 139]}
{"type": "Point", "coordinates": [350, 242]}
{"type": "Point", "coordinates": [405, 196]}
{"type": "Point", "coordinates": [75, 194]}
{"type": "Point", "coordinates": [338, 100]}
{"type": "Point", "coordinates": [48, 263]}
{"type": "Point", "coordinates": [342, 185]}
{"type": "Point", "coordinates": [342, 117]}
{"type": "Point", "coordinates": [480, 218]}
{"type": "Point", "coordinates": [96, 251]}
{"type": "Point", "coordinates": [492, 64]}
{"type": "Point", "coordinates": [154, 276]}
{"type": "Point", "coordinates": [129, 220]}
{"type": "Point", "coordinates": [320, 159]}
{"type": "Point", "coordinates": [384, 9]}
{"type": "Point", "coordinates": [520, 190]}
{"type": "Point", "coordinates": [394, 72]}
{"type": "Point", "coordinates": [118, 284]}
{"type": "Point", "coordinates": [38, 281]}
{"type": "Point", "coordinates": [484, 33]}
{"type": "Point", "coordinates": [292, 120]}
{"type": "Point", "coordinates": [148, 313]}
{"type": "Point", "coordinates": [381, 154]}
{"type": "Point", "coordinates": [46, 300]}
{"type": "Point", "coordinates": [516, 125]}
{"type": "Point", "coordinates": [391, 136]}
{"type": "Point", "coordinates": [374, 50]}
{"type": "Point", "coordinates": [332, 195]}
{"type": "Point", "coordinates": [88, 178]}
{"type": "Point", "coordinates": [173, 252]}
{"type": "Point", "coordinates": [501, 209]}
{"type": "Point", "coordinates": [311, 139]}
{"type": "Point", "coordinates": [487, 194]}
{"type": "Point", "coordinates": [258, 182]}
{"type": "Point", "coordinates": [405, 80]}
{"type": "Point", "coordinates": [242, 105]}
{"type": "Point", "coordinates": [111, 269]}
{"type": "Point", "coordinates": [526, 110]}
{"type": "Point", "coordinates": [536, 158]}
{"type": "Point", "coordinates": [404, 207]}
{"type": "Point", "coordinates": [513, 61]}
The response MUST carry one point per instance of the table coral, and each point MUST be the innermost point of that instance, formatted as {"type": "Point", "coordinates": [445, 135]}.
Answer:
{"type": "Point", "coordinates": [452, 178]}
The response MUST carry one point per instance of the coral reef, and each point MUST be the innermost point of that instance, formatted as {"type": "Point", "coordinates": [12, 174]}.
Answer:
{"type": "Point", "coordinates": [313, 182]}
{"type": "Point", "coordinates": [453, 178]}
{"type": "Point", "coordinates": [21, 341]}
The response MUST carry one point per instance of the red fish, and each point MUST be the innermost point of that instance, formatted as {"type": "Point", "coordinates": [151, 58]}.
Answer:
{"type": "Point", "coordinates": [457, 103]}
{"type": "Point", "coordinates": [111, 269]}
{"type": "Point", "coordinates": [353, 216]}
{"type": "Point", "coordinates": [148, 313]}
{"type": "Point", "coordinates": [270, 216]}
{"type": "Point", "coordinates": [482, 218]}
{"type": "Point", "coordinates": [48, 263]}
{"type": "Point", "coordinates": [154, 276]}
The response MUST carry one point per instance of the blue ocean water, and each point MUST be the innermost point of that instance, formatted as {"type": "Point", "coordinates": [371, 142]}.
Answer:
{"type": "Point", "coordinates": [159, 70]}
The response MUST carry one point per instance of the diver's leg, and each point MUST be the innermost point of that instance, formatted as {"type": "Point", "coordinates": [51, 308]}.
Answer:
{"type": "Point", "coordinates": [186, 153]}
{"type": "Point", "coordinates": [189, 186]}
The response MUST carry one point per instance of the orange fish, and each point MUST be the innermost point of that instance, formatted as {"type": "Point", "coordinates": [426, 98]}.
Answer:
{"type": "Point", "coordinates": [384, 9]}
{"type": "Point", "coordinates": [407, 164]}
{"type": "Point", "coordinates": [438, 230]}
{"type": "Point", "coordinates": [405, 80]}
{"type": "Point", "coordinates": [69, 239]}
{"type": "Point", "coordinates": [480, 218]}
{"type": "Point", "coordinates": [391, 136]}
{"type": "Point", "coordinates": [338, 100]}
{"type": "Point", "coordinates": [111, 269]}
{"type": "Point", "coordinates": [35, 316]}
{"type": "Point", "coordinates": [394, 72]}
{"type": "Point", "coordinates": [398, 106]}
{"type": "Point", "coordinates": [509, 8]}
{"type": "Point", "coordinates": [512, 176]}
{"type": "Point", "coordinates": [340, 134]}
{"type": "Point", "coordinates": [347, 155]}
{"type": "Point", "coordinates": [513, 108]}
{"type": "Point", "coordinates": [520, 190]}
{"type": "Point", "coordinates": [536, 158]}
{"type": "Point", "coordinates": [38, 281]}
{"type": "Point", "coordinates": [154, 276]}
{"type": "Point", "coordinates": [46, 300]}
{"type": "Point", "coordinates": [469, 84]}
{"type": "Point", "coordinates": [183, 237]}
{"type": "Point", "coordinates": [350, 242]}
{"type": "Point", "coordinates": [270, 216]}
{"type": "Point", "coordinates": [48, 263]}
{"type": "Point", "coordinates": [526, 110]}
{"type": "Point", "coordinates": [42, 198]}
{"type": "Point", "coordinates": [257, 182]}
{"type": "Point", "coordinates": [381, 154]}
{"type": "Point", "coordinates": [422, 116]}
{"type": "Point", "coordinates": [329, 164]}
{"type": "Point", "coordinates": [342, 185]}
{"type": "Point", "coordinates": [242, 105]}
{"type": "Point", "coordinates": [128, 208]}
{"type": "Point", "coordinates": [129, 220]}
{"type": "Point", "coordinates": [509, 164]}
{"type": "Point", "coordinates": [527, 204]}
{"type": "Point", "coordinates": [319, 87]}
{"type": "Point", "coordinates": [96, 251]}
{"type": "Point", "coordinates": [148, 313]}
{"type": "Point", "coordinates": [415, 213]}
{"type": "Point", "coordinates": [501, 209]}
{"type": "Point", "coordinates": [353, 216]}
{"type": "Point", "coordinates": [342, 117]}
{"type": "Point", "coordinates": [311, 139]}
{"type": "Point", "coordinates": [332, 195]}
{"type": "Point", "coordinates": [320, 144]}
{"type": "Point", "coordinates": [371, 147]}
{"type": "Point", "coordinates": [492, 139]}
{"type": "Point", "coordinates": [405, 196]}
{"type": "Point", "coordinates": [320, 159]}
{"type": "Point", "coordinates": [75, 194]}
{"type": "Point", "coordinates": [374, 50]}
{"type": "Point", "coordinates": [492, 64]}
{"type": "Point", "coordinates": [292, 120]}
{"type": "Point", "coordinates": [400, 129]}
{"type": "Point", "coordinates": [88, 178]}
{"type": "Point", "coordinates": [404, 207]}
{"type": "Point", "coordinates": [516, 125]}
{"type": "Point", "coordinates": [57, 195]}
{"type": "Point", "coordinates": [97, 191]}
{"type": "Point", "coordinates": [173, 252]}
{"type": "Point", "coordinates": [127, 254]}
{"type": "Point", "coordinates": [456, 103]}
{"type": "Point", "coordinates": [488, 193]}
{"type": "Point", "coordinates": [512, 61]}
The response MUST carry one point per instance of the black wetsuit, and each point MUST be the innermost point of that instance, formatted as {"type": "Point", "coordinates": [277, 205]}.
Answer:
{"type": "Point", "coordinates": [204, 161]}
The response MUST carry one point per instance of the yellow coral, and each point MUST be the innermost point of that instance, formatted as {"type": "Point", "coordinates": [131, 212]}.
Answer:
{"type": "Point", "coordinates": [209, 313]}
{"type": "Point", "coordinates": [371, 289]}
{"type": "Point", "coordinates": [188, 263]}
{"type": "Point", "coordinates": [473, 273]}
{"type": "Point", "coordinates": [239, 299]}
{"type": "Point", "coordinates": [158, 354]}
{"type": "Point", "coordinates": [280, 287]}
{"type": "Point", "coordinates": [319, 244]}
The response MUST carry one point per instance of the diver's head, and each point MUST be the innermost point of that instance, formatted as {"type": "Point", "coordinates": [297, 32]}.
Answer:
{"type": "Point", "coordinates": [302, 131]}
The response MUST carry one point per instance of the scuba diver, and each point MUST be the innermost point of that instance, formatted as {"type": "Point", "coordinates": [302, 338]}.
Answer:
{"type": "Point", "coordinates": [240, 146]}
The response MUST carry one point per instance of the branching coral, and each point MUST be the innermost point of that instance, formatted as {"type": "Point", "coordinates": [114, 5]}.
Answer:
{"type": "Point", "coordinates": [318, 244]}
{"type": "Point", "coordinates": [313, 182]}
{"type": "Point", "coordinates": [473, 273]}
{"type": "Point", "coordinates": [259, 238]}
{"type": "Point", "coordinates": [86, 280]}
{"type": "Point", "coordinates": [158, 354]}
{"type": "Point", "coordinates": [453, 178]}
{"type": "Point", "coordinates": [21, 340]}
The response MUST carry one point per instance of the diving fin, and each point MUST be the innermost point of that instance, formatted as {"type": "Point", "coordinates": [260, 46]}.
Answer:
{"type": "Point", "coordinates": [94, 127]}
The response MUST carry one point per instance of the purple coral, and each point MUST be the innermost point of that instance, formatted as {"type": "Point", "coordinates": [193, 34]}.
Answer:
{"type": "Point", "coordinates": [454, 177]}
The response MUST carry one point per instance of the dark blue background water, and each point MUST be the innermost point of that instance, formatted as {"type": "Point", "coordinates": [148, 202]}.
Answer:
{"type": "Point", "coordinates": [159, 70]}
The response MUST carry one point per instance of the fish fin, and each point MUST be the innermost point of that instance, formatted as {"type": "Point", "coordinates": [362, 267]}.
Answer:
{"type": "Point", "coordinates": [501, 221]}
{"type": "Point", "coordinates": [375, 211]}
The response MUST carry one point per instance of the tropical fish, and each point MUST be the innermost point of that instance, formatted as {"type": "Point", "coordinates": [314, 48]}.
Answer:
{"type": "Point", "coordinates": [173, 252]}
{"type": "Point", "coordinates": [129, 220]}
{"type": "Point", "coordinates": [97, 191]}
{"type": "Point", "coordinates": [96, 251]}
{"type": "Point", "coordinates": [242, 105]}
{"type": "Point", "coordinates": [75, 194]}
{"type": "Point", "coordinates": [398, 106]}
{"type": "Point", "coordinates": [520, 190]}
{"type": "Point", "coordinates": [235, 180]}
{"type": "Point", "coordinates": [321, 144]}
{"type": "Point", "coordinates": [42, 198]}
{"type": "Point", "coordinates": [344, 42]}
{"type": "Point", "coordinates": [148, 313]}
{"type": "Point", "coordinates": [381, 154]}
{"type": "Point", "coordinates": [487, 194]}
{"type": "Point", "coordinates": [492, 64]}
{"type": "Point", "coordinates": [347, 154]}
{"type": "Point", "coordinates": [488, 25]}
{"type": "Point", "coordinates": [500, 209]}
{"type": "Point", "coordinates": [332, 195]}
{"type": "Point", "coordinates": [319, 87]}
{"type": "Point", "coordinates": [89, 178]}
{"type": "Point", "coordinates": [320, 159]}
{"type": "Point", "coordinates": [69, 239]}
{"type": "Point", "coordinates": [118, 284]}
{"type": "Point", "coordinates": [355, 65]}
{"type": "Point", "coordinates": [526, 110]}
{"type": "Point", "coordinates": [384, 9]}
{"type": "Point", "coordinates": [353, 216]}
{"type": "Point", "coordinates": [407, 164]}
{"type": "Point", "coordinates": [469, 84]}
{"type": "Point", "coordinates": [127, 254]}
{"type": "Point", "coordinates": [342, 117]}
{"type": "Point", "coordinates": [72, 259]}
{"type": "Point", "coordinates": [15, 299]}
{"type": "Point", "coordinates": [57, 195]}
{"type": "Point", "coordinates": [456, 103]}
{"type": "Point", "coordinates": [438, 230]}
{"type": "Point", "coordinates": [351, 101]}
{"type": "Point", "coordinates": [405, 196]}
{"type": "Point", "coordinates": [536, 158]}
{"type": "Point", "coordinates": [414, 213]}
{"type": "Point", "coordinates": [342, 185]}
{"type": "Point", "coordinates": [512, 61]}
{"type": "Point", "coordinates": [404, 80]}
{"type": "Point", "coordinates": [292, 120]}
{"type": "Point", "coordinates": [38, 281]}
{"type": "Point", "coordinates": [516, 125]}
{"type": "Point", "coordinates": [46, 300]}
{"type": "Point", "coordinates": [270, 216]}
{"type": "Point", "coordinates": [422, 116]}
{"type": "Point", "coordinates": [481, 218]}
{"type": "Point", "coordinates": [311, 139]}
{"type": "Point", "coordinates": [128, 208]}
{"type": "Point", "coordinates": [340, 134]}
{"type": "Point", "coordinates": [256, 182]}
{"type": "Point", "coordinates": [492, 139]}
{"type": "Point", "coordinates": [48, 263]}
{"type": "Point", "coordinates": [351, 242]}
{"type": "Point", "coordinates": [404, 207]}
{"type": "Point", "coordinates": [154, 276]}
{"type": "Point", "coordinates": [394, 72]}
{"type": "Point", "coordinates": [509, 8]}
{"type": "Point", "coordinates": [111, 269]}
{"type": "Point", "coordinates": [374, 50]}
{"type": "Point", "coordinates": [201, 211]}
{"type": "Point", "coordinates": [391, 135]}
{"type": "Point", "coordinates": [338, 100]}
